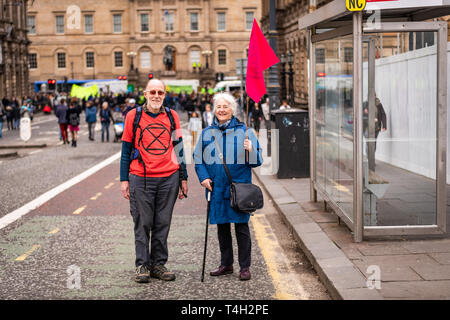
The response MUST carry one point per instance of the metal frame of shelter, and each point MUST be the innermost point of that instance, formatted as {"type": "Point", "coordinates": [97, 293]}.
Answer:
{"type": "Point", "coordinates": [333, 20]}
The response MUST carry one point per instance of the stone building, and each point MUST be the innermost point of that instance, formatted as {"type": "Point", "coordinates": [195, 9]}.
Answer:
{"type": "Point", "coordinates": [14, 49]}
{"type": "Point", "coordinates": [92, 39]}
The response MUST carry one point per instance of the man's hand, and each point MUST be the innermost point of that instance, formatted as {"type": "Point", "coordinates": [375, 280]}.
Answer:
{"type": "Point", "coordinates": [125, 188]}
{"type": "Point", "coordinates": [183, 189]}
{"type": "Point", "coordinates": [207, 184]}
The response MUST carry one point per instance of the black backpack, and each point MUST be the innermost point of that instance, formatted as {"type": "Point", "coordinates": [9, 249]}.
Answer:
{"type": "Point", "coordinates": [73, 119]}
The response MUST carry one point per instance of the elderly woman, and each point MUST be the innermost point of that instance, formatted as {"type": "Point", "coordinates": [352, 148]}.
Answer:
{"type": "Point", "coordinates": [230, 135]}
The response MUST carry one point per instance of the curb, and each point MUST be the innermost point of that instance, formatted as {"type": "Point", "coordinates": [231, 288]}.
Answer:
{"type": "Point", "coordinates": [339, 275]}
{"type": "Point", "coordinates": [20, 146]}
{"type": "Point", "coordinates": [8, 154]}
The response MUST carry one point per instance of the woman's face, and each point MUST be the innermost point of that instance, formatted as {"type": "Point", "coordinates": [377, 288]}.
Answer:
{"type": "Point", "coordinates": [223, 110]}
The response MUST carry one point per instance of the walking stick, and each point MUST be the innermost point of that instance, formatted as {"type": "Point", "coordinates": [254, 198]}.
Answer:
{"type": "Point", "coordinates": [206, 233]}
{"type": "Point", "coordinates": [246, 133]}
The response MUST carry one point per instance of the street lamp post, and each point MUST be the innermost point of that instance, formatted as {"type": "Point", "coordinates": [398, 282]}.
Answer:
{"type": "Point", "coordinates": [207, 53]}
{"type": "Point", "coordinates": [131, 55]}
{"type": "Point", "coordinates": [290, 59]}
{"type": "Point", "coordinates": [283, 77]}
{"type": "Point", "coordinates": [273, 84]}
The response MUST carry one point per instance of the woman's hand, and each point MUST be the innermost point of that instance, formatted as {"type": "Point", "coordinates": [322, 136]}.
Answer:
{"type": "Point", "coordinates": [207, 184]}
{"type": "Point", "coordinates": [248, 145]}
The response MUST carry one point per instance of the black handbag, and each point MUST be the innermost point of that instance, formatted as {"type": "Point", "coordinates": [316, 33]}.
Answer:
{"type": "Point", "coordinates": [244, 197]}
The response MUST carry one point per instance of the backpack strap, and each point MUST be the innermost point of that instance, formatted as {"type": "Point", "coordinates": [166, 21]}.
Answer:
{"type": "Point", "coordinates": [137, 118]}
{"type": "Point", "coordinates": [172, 121]}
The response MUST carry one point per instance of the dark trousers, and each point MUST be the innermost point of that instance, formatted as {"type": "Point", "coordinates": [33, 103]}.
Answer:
{"type": "Point", "coordinates": [105, 128]}
{"type": "Point", "coordinates": [91, 128]}
{"type": "Point", "coordinates": [151, 209]}
{"type": "Point", "coordinates": [226, 246]}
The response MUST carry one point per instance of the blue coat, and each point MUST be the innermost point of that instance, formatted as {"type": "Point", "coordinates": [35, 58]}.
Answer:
{"type": "Point", "coordinates": [209, 165]}
{"type": "Point", "coordinates": [91, 114]}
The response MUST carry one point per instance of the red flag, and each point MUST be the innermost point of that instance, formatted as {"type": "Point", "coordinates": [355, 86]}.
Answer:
{"type": "Point", "coordinates": [260, 57]}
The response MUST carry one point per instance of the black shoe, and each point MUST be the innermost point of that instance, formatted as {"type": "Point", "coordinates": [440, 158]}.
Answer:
{"type": "Point", "coordinates": [161, 272]}
{"type": "Point", "coordinates": [221, 271]}
{"type": "Point", "coordinates": [142, 274]}
{"type": "Point", "coordinates": [75, 144]}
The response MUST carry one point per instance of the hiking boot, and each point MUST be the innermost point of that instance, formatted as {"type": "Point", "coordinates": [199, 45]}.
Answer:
{"type": "Point", "coordinates": [221, 271]}
{"type": "Point", "coordinates": [142, 274]}
{"type": "Point", "coordinates": [244, 274]}
{"type": "Point", "coordinates": [161, 272]}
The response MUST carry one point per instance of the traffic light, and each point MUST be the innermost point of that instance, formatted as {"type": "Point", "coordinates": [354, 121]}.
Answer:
{"type": "Point", "coordinates": [51, 84]}
{"type": "Point", "coordinates": [122, 78]}
{"type": "Point", "coordinates": [150, 76]}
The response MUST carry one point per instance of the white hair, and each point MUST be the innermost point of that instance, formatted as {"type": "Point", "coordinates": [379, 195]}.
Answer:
{"type": "Point", "coordinates": [228, 98]}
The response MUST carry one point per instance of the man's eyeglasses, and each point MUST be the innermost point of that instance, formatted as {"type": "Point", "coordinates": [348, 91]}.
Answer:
{"type": "Point", "coordinates": [153, 92]}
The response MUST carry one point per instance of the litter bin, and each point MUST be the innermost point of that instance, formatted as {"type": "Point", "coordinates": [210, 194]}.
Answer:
{"type": "Point", "coordinates": [293, 143]}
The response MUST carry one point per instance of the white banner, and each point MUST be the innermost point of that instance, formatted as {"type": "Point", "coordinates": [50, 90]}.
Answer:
{"type": "Point", "coordinates": [400, 4]}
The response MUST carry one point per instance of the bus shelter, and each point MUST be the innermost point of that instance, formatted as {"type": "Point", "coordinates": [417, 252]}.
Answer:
{"type": "Point", "coordinates": [378, 113]}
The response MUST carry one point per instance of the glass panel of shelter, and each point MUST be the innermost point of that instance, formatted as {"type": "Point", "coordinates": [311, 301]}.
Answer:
{"type": "Point", "coordinates": [334, 121]}
{"type": "Point", "coordinates": [399, 129]}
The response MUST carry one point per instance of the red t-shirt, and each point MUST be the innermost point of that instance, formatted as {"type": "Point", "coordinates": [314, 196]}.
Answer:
{"type": "Point", "coordinates": [155, 145]}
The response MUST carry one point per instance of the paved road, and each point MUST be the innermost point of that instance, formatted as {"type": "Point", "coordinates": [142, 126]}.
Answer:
{"type": "Point", "coordinates": [88, 228]}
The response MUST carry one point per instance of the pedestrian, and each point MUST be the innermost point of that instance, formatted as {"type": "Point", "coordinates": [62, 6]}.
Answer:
{"type": "Point", "coordinates": [2, 114]}
{"type": "Point", "coordinates": [231, 136]}
{"type": "Point", "coordinates": [257, 116]}
{"type": "Point", "coordinates": [194, 127]}
{"type": "Point", "coordinates": [9, 115]}
{"type": "Point", "coordinates": [16, 112]}
{"type": "Point", "coordinates": [379, 119]}
{"type": "Point", "coordinates": [91, 119]}
{"type": "Point", "coordinates": [266, 111]}
{"type": "Point", "coordinates": [105, 118]}
{"type": "Point", "coordinates": [153, 179]}
{"type": "Point", "coordinates": [208, 116]}
{"type": "Point", "coordinates": [61, 114]}
{"type": "Point", "coordinates": [73, 119]}
{"type": "Point", "coordinates": [284, 105]}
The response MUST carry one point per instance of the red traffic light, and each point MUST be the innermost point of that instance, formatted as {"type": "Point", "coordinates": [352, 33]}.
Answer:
{"type": "Point", "coordinates": [51, 81]}
{"type": "Point", "coordinates": [122, 77]}
{"type": "Point", "coordinates": [150, 76]}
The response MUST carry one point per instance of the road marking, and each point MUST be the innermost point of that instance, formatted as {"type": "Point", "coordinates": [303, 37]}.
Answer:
{"type": "Point", "coordinates": [26, 254]}
{"type": "Point", "coordinates": [79, 210]}
{"type": "Point", "coordinates": [109, 185]}
{"type": "Point", "coordinates": [285, 280]}
{"type": "Point", "coordinates": [96, 196]}
{"type": "Point", "coordinates": [54, 231]}
{"type": "Point", "coordinates": [117, 179]}
{"type": "Point", "coordinates": [36, 151]}
{"type": "Point", "coordinates": [18, 213]}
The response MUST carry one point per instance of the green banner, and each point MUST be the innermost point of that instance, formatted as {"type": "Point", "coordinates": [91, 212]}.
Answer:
{"type": "Point", "coordinates": [178, 89]}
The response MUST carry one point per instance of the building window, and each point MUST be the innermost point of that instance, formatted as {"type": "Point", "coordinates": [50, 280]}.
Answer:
{"type": "Point", "coordinates": [31, 24]}
{"type": "Point", "coordinates": [117, 23]}
{"type": "Point", "coordinates": [348, 54]}
{"type": "Point", "coordinates": [195, 57]}
{"type": "Point", "coordinates": [169, 20]}
{"type": "Point", "coordinates": [118, 59]}
{"type": "Point", "coordinates": [320, 55]}
{"type": "Point", "coordinates": [145, 59]}
{"type": "Point", "coordinates": [222, 56]}
{"type": "Point", "coordinates": [249, 20]}
{"type": "Point", "coordinates": [61, 60]}
{"type": "Point", "coordinates": [221, 24]}
{"type": "Point", "coordinates": [145, 26]}
{"type": "Point", "coordinates": [59, 24]}
{"type": "Point", "coordinates": [90, 63]}
{"type": "Point", "coordinates": [88, 23]}
{"type": "Point", "coordinates": [32, 58]}
{"type": "Point", "coordinates": [194, 21]}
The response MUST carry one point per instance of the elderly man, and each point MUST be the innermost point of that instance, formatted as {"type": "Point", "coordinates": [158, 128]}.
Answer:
{"type": "Point", "coordinates": [151, 178]}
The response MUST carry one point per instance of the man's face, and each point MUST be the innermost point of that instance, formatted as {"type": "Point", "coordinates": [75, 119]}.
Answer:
{"type": "Point", "coordinates": [155, 93]}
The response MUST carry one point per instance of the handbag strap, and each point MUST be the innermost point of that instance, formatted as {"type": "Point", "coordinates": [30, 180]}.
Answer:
{"type": "Point", "coordinates": [223, 161]}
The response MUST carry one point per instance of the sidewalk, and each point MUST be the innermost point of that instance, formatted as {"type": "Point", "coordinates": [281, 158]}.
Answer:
{"type": "Point", "coordinates": [409, 269]}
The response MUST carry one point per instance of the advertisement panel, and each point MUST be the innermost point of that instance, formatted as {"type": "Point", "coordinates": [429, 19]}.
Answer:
{"type": "Point", "coordinates": [400, 4]}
